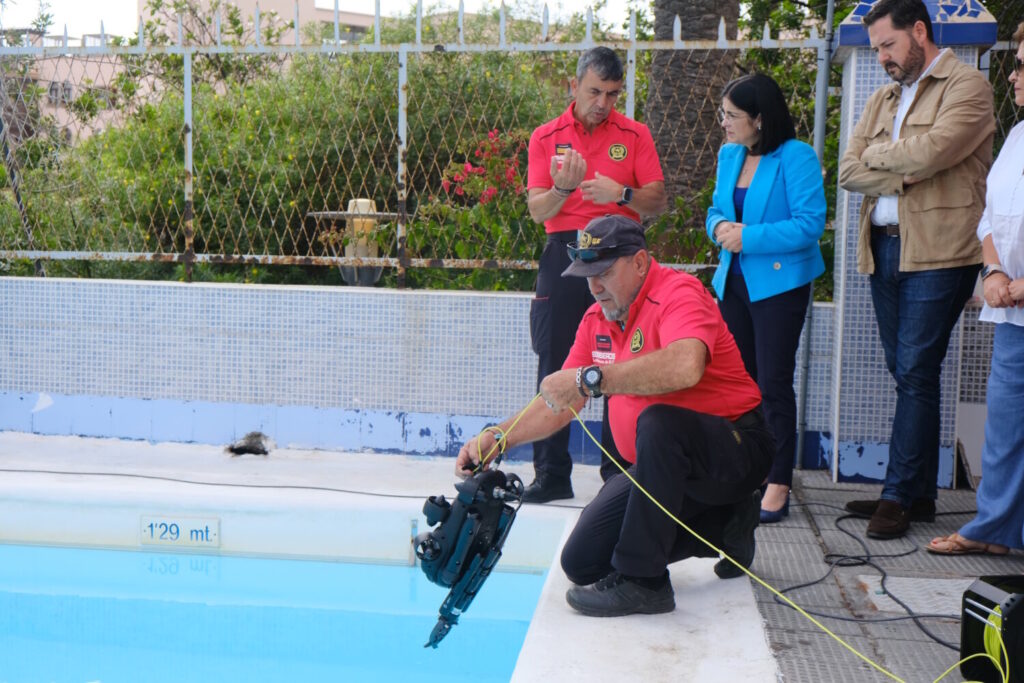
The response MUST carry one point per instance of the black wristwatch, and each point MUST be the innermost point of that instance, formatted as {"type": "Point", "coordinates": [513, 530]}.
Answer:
{"type": "Point", "coordinates": [591, 380]}
{"type": "Point", "coordinates": [627, 195]}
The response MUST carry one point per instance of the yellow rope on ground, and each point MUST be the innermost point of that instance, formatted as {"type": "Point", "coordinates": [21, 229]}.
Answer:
{"type": "Point", "coordinates": [1004, 674]}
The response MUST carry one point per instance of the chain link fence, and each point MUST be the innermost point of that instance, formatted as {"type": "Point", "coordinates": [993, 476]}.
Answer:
{"type": "Point", "coordinates": [252, 154]}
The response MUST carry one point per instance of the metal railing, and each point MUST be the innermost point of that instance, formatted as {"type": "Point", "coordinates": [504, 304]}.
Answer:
{"type": "Point", "coordinates": [249, 153]}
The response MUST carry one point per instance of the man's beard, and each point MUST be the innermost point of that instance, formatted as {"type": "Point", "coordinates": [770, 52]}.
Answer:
{"type": "Point", "coordinates": [620, 314]}
{"type": "Point", "coordinates": [911, 69]}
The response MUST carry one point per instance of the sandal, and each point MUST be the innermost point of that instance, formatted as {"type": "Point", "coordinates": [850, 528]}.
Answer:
{"type": "Point", "coordinates": [955, 544]}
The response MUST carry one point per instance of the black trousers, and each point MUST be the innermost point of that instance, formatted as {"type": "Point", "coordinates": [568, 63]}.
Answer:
{"type": "Point", "coordinates": [698, 466]}
{"type": "Point", "coordinates": [555, 314]}
{"type": "Point", "coordinates": [767, 333]}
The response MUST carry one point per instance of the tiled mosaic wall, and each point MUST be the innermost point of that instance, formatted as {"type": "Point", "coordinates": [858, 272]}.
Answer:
{"type": "Point", "coordinates": [976, 354]}
{"type": "Point", "coordinates": [197, 357]}
{"type": "Point", "coordinates": [862, 418]}
{"type": "Point", "coordinates": [319, 367]}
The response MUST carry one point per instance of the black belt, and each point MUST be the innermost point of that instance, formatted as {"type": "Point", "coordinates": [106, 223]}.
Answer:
{"type": "Point", "coordinates": [889, 229]}
{"type": "Point", "coordinates": [750, 419]}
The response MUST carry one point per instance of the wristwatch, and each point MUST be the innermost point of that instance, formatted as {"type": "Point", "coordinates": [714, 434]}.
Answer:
{"type": "Point", "coordinates": [627, 195]}
{"type": "Point", "coordinates": [991, 268]}
{"type": "Point", "coordinates": [591, 379]}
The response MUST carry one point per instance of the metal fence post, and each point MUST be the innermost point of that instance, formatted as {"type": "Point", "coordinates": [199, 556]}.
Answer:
{"type": "Point", "coordinates": [402, 179]}
{"type": "Point", "coordinates": [190, 250]}
{"type": "Point", "coordinates": [820, 121]}
{"type": "Point", "coordinates": [631, 68]}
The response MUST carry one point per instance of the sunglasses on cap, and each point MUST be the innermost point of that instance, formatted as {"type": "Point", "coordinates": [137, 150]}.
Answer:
{"type": "Point", "coordinates": [589, 255]}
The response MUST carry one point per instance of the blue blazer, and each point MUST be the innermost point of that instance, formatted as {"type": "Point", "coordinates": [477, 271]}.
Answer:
{"type": "Point", "coordinates": [783, 215]}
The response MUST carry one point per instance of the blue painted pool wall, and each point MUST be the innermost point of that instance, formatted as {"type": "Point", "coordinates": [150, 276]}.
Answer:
{"type": "Point", "coordinates": [415, 372]}
{"type": "Point", "coordinates": [291, 426]}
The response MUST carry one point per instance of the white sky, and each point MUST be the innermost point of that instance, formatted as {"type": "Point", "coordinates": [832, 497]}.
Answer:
{"type": "Point", "coordinates": [120, 17]}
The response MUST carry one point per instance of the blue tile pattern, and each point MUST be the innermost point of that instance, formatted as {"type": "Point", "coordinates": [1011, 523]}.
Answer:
{"type": "Point", "coordinates": [965, 22]}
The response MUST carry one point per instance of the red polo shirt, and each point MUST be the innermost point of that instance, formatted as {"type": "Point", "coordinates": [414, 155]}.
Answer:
{"type": "Point", "coordinates": [619, 148]}
{"type": "Point", "coordinates": [670, 306]}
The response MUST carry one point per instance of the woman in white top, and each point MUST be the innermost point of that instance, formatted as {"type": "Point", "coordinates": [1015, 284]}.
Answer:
{"type": "Point", "coordinates": [999, 523]}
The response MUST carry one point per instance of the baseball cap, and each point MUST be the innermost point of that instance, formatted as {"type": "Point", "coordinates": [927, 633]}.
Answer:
{"type": "Point", "coordinates": [604, 240]}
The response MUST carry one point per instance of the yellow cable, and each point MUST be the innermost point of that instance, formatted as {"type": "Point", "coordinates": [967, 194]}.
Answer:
{"type": "Point", "coordinates": [723, 554]}
{"type": "Point", "coordinates": [1005, 676]}
{"type": "Point", "coordinates": [504, 438]}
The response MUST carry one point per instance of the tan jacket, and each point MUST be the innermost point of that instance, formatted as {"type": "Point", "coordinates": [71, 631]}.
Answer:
{"type": "Point", "coordinates": [946, 140]}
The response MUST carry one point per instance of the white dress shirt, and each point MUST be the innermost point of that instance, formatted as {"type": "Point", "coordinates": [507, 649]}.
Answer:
{"type": "Point", "coordinates": [1003, 218]}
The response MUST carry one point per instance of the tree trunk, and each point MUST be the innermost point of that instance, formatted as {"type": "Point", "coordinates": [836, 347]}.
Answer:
{"type": "Point", "coordinates": [684, 93]}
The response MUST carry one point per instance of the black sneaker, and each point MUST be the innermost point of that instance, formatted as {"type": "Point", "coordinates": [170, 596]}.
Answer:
{"type": "Point", "coordinates": [921, 510]}
{"type": "Point", "coordinates": [616, 596]}
{"type": "Point", "coordinates": [547, 489]}
{"type": "Point", "coordinates": [738, 536]}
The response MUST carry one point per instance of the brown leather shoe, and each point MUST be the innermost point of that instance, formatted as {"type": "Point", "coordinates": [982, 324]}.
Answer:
{"type": "Point", "coordinates": [921, 510]}
{"type": "Point", "coordinates": [891, 520]}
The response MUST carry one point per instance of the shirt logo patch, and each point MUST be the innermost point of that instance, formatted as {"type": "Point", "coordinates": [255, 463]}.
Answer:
{"type": "Point", "coordinates": [617, 152]}
{"type": "Point", "coordinates": [562, 147]}
{"type": "Point", "coordinates": [603, 342]}
{"type": "Point", "coordinates": [637, 342]}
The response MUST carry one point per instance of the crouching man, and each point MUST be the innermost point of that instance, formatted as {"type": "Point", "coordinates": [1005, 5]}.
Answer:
{"type": "Point", "coordinates": [682, 410]}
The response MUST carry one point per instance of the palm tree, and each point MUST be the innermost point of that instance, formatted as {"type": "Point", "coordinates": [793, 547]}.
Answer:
{"type": "Point", "coordinates": [684, 92]}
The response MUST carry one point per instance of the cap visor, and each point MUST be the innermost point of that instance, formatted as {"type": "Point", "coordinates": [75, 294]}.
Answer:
{"type": "Point", "coordinates": [580, 268]}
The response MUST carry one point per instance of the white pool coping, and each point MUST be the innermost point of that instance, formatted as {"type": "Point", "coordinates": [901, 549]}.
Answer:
{"type": "Point", "coordinates": [51, 493]}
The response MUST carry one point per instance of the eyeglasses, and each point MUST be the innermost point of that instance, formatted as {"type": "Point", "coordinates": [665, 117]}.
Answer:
{"type": "Point", "coordinates": [1018, 65]}
{"type": "Point", "coordinates": [731, 115]}
{"type": "Point", "coordinates": [589, 255]}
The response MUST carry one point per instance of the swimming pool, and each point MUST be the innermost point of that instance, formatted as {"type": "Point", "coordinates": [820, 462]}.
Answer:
{"type": "Point", "coordinates": [53, 492]}
{"type": "Point", "coordinates": [72, 614]}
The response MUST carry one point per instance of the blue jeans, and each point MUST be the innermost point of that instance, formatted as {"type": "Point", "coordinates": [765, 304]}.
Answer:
{"type": "Point", "coordinates": [1000, 517]}
{"type": "Point", "coordinates": [916, 312]}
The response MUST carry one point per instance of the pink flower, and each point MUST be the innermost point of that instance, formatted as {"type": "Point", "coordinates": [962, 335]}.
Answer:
{"type": "Point", "coordinates": [446, 185]}
{"type": "Point", "coordinates": [468, 167]}
{"type": "Point", "coordinates": [488, 194]}
{"type": "Point", "coordinates": [458, 177]}
{"type": "Point", "coordinates": [493, 134]}
{"type": "Point", "coordinates": [459, 191]}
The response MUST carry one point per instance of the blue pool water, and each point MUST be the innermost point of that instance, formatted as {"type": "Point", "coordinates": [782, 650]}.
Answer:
{"type": "Point", "coordinates": [78, 615]}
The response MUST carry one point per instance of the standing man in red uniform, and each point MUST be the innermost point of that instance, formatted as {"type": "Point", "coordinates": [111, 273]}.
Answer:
{"type": "Point", "coordinates": [683, 411]}
{"type": "Point", "coordinates": [588, 162]}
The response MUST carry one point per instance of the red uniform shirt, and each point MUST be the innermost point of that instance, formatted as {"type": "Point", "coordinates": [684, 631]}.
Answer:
{"type": "Point", "coordinates": [670, 306]}
{"type": "Point", "coordinates": [619, 148]}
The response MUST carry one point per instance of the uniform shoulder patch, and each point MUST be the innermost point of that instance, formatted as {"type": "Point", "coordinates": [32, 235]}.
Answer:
{"type": "Point", "coordinates": [617, 152]}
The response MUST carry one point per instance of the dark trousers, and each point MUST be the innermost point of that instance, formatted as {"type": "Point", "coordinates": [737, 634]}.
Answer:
{"type": "Point", "coordinates": [555, 314]}
{"type": "Point", "coordinates": [697, 466]}
{"type": "Point", "coordinates": [767, 333]}
{"type": "Point", "coordinates": [916, 312]}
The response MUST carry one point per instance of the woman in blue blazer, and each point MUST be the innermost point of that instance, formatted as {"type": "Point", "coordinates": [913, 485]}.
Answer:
{"type": "Point", "coordinates": [767, 214]}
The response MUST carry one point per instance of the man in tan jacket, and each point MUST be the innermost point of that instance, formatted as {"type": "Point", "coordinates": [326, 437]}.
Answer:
{"type": "Point", "coordinates": [919, 155]}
